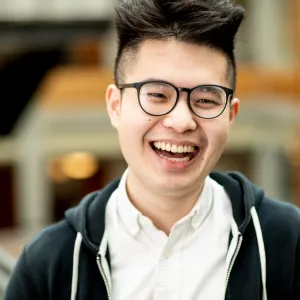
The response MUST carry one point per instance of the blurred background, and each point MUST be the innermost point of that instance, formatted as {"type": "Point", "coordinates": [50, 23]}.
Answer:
{"type": "Point", "coordinates": [56, 142]}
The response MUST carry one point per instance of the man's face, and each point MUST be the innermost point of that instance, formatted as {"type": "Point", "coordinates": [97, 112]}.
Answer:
{"type": "Point", "coordinates": [183, 65]}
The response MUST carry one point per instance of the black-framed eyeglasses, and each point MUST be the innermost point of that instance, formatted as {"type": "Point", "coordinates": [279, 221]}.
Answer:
{"type": "Point", "coordinates": [158, 98]}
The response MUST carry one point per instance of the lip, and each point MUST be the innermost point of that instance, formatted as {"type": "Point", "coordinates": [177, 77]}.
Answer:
{"type": "Point", "coordinates": [175, 165]}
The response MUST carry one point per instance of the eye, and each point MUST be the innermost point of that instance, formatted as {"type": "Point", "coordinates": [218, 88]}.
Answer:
{"type": "Point", "coordinates": [157, 95]}
{"type": "Point", "coordinates": [208, 95]}
{"type": "Point", "coordinates": [206, 101]}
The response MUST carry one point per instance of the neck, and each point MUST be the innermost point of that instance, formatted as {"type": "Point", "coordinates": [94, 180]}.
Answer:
{"type": "Point", "coordinates": [162, 209]}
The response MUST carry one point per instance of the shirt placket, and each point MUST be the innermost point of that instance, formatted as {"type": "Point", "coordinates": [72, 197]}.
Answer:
{"type": "Point", "coordinates": [169, 269]}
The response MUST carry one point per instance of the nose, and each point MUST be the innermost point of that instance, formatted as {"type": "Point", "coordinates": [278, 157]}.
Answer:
{"type": "Point", "coordinates": [181, 118]}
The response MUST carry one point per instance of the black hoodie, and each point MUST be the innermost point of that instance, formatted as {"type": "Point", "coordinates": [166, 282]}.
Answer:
{"type": "Point", "coordinates": [64, 261]}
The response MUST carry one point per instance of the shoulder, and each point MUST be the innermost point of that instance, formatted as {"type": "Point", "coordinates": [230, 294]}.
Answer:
{"type": "Point", "coordinates": [280, 210]}
{"type": "Point", "coordinates": [50, 246]}
{"type": "Point", "coordinates": [45, 260]}
{"type": "Point", "coordinates": [279, 218]}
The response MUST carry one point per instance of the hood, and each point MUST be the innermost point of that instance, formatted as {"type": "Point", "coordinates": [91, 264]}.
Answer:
{"type": "Point", "coordinates": [243, 196]}
{"type": "Point", "coordinates": [88, 217]}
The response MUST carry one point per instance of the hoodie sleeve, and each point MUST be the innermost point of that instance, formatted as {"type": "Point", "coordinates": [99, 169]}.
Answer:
{"type": "Point", "coordinates": [21, 285]}
{"type": "Point", "coordinates": [296, 295]}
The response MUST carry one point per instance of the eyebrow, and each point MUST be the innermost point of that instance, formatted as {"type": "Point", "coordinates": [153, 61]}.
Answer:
{"type": "Point", "coordinates": [158, 79]}
{"type": "Point", "coordinates": [172, 83]}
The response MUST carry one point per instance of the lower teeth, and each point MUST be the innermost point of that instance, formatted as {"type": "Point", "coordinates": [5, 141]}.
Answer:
{"type": "Point", "coordinates": [184, 159]}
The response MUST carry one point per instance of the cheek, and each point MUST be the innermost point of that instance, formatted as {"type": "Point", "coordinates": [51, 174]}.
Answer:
{"type": "Point", "coordinates": [134, 125]}
{"type": "Point", "coordinates": [217, 134]}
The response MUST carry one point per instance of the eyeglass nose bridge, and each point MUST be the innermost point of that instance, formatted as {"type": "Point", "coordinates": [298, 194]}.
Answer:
{"type": "Point", "coordinates": [188, 91]}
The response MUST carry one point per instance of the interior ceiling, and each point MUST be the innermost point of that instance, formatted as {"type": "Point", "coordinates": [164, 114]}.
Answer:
{"type": "Point", "coordinates": [27, 52]}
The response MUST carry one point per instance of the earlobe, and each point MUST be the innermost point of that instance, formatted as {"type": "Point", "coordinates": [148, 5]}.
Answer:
{"type": "Point", "coordinates": [234, 109]}
{"type": "Point", "coordinates": [113, 104]}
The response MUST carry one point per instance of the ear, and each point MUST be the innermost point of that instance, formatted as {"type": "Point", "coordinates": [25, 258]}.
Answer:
{"type": "Point", "coordinates": [113, 104]}
{"type": "Point", "coordinates": [234, 109]}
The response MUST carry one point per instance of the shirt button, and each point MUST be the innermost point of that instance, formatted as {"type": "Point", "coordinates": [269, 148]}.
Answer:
{"type": "Point", "coordinates": [167, 254]}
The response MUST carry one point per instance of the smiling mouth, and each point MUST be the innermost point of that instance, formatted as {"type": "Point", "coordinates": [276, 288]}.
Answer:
{"type": "Point", "coordinates": [175, 153]}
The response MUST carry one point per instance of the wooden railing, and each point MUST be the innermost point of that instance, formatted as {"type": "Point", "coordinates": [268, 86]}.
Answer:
{"type": "Point", "coordinates": [84, 86]}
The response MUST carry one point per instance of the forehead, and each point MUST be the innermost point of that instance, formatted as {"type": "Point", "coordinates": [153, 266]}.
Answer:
{"type": "Point", "coordinates": [181, 63]}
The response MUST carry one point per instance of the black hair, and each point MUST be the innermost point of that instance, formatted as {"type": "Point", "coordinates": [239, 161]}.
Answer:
{"type": "Point", "coordinates": [213, 23]}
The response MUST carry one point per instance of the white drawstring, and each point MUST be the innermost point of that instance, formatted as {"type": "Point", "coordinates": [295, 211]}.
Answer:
{"type": "Point", "coordinates": [261, 249]}
{"type": "Point", "coordinates": [76, 255]}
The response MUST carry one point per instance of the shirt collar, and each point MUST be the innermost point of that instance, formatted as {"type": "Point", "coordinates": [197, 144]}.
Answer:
{"type": "Point", "coordinates": [130, 216]}
{"type": "Point", "coordinates": [126, 210]}
{"type": "Point", "coordinates": [202, 207]}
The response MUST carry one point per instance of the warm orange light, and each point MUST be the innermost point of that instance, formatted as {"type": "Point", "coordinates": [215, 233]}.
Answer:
{"type": "Point", "coordinates": [79, 165]}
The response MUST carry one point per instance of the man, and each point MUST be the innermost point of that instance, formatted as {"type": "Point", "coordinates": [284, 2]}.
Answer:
{"type": "Point", "coordinates": [170, 228]}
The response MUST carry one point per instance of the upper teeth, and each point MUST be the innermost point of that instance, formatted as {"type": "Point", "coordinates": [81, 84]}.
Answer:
{"type": "Point", "coordinates": [174, 148]}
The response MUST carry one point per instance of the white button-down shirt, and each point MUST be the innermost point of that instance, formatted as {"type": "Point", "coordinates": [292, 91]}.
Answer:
{"type": "Point", "coordinates": [189, 264]}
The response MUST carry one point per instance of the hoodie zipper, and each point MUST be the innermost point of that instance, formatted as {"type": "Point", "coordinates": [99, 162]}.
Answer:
{"type": "Point", "coordinates": [102, 272]}
{"type": "Point", "coordinates": [234, 256]}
